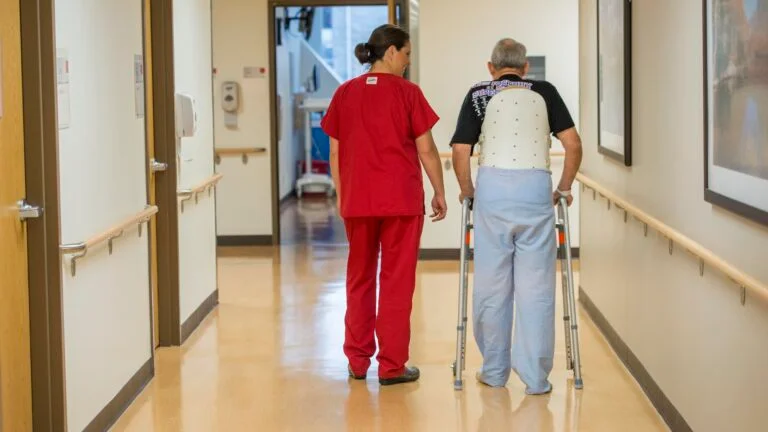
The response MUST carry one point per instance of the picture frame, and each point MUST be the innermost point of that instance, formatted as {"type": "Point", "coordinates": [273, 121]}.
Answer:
{"type": "Point", "coordinates": [736, 106]}
{"type": "Point", "coordinates": [614, 79]}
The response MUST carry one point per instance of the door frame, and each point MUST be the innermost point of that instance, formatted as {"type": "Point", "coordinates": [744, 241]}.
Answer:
{"type": "Point", "coordinates": [166, 225]}
{"type": "Point", "coordinates": [149, 138]}
{"type": "Point", "coordinates": [273, 120]}
{"type": "Point", "coordinates": [38, 50]}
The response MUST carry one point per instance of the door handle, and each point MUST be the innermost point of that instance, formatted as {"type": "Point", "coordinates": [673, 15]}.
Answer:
{"type": "Point", "coordinates": [27, 211]}
{"type": "Point", "coordinates": [157, 166]}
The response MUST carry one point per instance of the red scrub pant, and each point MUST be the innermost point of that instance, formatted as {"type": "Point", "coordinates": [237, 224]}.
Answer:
{"type": "Point", "coordinates": [398, 239]}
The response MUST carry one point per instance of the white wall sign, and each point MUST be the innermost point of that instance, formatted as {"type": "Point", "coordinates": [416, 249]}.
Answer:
{"type": "Point", "coordinates": [62, 74]}
{"type": "Point", "coordinates": [138, 80]}
{"type": "Point", "coordinates": [254, 72]}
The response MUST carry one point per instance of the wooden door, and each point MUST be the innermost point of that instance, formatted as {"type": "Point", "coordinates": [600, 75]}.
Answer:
{"type": "Point", "coordinates": [15, 375]}
{"type": "Point", "coordinates": [152, 165]}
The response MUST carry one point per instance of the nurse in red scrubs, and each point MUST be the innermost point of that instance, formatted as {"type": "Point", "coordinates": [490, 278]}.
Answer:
{"type": "Point", "coordinates": [380, 128]}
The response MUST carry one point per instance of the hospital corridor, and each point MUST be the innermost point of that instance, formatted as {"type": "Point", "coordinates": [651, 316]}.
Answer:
{"type": "Point", "coordinates": [383, 215]}
{"type": "Point", "coordinates": [268, 358]}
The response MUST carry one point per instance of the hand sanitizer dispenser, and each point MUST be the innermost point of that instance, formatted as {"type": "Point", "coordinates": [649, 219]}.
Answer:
{"type": "Point", "coordinates": [230, 102]}
{"type": "Point", "coordinates": [186, 115]}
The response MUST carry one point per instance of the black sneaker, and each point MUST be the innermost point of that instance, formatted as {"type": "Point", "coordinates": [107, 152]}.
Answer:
{"type": "Point", "coordinates": [411, 374]}
{"type": "Point", "coordinates": [352, 374]}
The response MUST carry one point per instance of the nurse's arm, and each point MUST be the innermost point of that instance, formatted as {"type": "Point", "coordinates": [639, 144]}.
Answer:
{"type": "Point", "coordinates": [461, 154]}
{"type": "Point", "coordinates": [335, 166]}
{"type": "Point", "coordinates": [430, 158]}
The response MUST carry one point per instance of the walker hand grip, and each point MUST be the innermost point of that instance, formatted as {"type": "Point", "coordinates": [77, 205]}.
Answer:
{"type": "Point", "coordinates": [469, 203]}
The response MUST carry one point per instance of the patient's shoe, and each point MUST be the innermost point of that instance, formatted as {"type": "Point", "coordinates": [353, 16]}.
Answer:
{"type": "Point", "coordinates": [533, 392]}
{"type": "Point", "coordinates": [409, 375]}
{"type": "Point", "coordinates": [479, 378]}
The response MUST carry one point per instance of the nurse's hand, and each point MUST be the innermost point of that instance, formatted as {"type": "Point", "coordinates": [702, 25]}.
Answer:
{"type": "Point", "coordinates": [439, 208]}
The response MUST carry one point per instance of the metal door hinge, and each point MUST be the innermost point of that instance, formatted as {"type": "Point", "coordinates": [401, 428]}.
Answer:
{"type": "Point", "coordinates": [27, 211]}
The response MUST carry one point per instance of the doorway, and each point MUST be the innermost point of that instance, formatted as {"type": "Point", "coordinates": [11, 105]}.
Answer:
{"type": "Point", "coordinates": [311, 48]}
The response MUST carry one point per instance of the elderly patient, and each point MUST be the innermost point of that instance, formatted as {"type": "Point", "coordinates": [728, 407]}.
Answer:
{"type": "Point", "coordinates": [512, 119]}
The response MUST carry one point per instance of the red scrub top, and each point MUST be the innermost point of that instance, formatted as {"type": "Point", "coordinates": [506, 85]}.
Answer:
{"type": "Point", "coordinates": [376, 118]}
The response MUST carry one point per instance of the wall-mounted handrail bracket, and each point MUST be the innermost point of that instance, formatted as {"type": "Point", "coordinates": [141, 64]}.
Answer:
{"type": "Point", "coordinates": [671, 246]}
{"type": "Point", "coordinates": [112, 239]}
{"type": "Point", "coordinates": [645, 230]}
{"type": "Point", "coordinates": [207, 185]}
{"type": "Point", "coordinates": [626, 215]}
{"type": "Point", "coordinates": [743, 296]}
{"type": "Point", "coordinates": [80, 249]}
{"type": "Point", "coordinates": [141, 226]}
{"type": "Point", "coordinates": [185, 196]}
{"type": "Point", "coordinates": [701, 267]}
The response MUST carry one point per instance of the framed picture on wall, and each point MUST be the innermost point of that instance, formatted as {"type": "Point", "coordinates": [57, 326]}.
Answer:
{"type": "Point", "coordinates": [736, 106]}
{"type": "Point", "coordinates": [614, 79]}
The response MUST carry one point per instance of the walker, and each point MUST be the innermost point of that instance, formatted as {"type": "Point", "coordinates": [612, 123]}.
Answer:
{"type": "Point", "coordinates": [570, 318]}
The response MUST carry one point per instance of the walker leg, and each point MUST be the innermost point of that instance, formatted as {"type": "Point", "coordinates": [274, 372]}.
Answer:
{"type": "Point", "coordinates": [461, 326]}
{"type": "Point", "coordinates": [570, 316]}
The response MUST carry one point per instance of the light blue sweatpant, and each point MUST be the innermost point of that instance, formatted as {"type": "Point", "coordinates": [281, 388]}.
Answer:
{"type": "Point", "coordinates": [515, 255]}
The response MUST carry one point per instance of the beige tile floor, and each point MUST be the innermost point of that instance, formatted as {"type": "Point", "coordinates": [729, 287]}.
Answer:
{"type": "Point", "coordinates": [269, 358]}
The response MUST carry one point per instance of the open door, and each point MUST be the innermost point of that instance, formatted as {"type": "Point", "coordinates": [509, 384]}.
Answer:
{"type": "Point", "coordinates": [15, 367]}
{"type": "Point", "coordinates": [153, 167]}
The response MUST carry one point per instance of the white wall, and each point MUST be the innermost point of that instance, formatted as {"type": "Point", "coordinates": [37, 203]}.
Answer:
{"type": "Point", "coordinates": [706, 351]}
{"type": "Point", "coordinates": [197, 234]}
{"type": "Point", "coordinates": [414, 26]}
{"type": "Point", "coordinates": [244, 200]}
{"type": "Point", "coordinates": [546, 27]}
{"type": "Point", "coordinates": [102, 165]}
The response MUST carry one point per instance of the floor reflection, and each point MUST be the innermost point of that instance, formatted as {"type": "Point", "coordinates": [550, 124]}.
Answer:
{"type": "Point", "coordinates": [270, 358]}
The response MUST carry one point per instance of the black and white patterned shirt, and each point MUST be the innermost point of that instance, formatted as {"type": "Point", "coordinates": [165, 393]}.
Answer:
{"type": "Point", "coordinates": [472, 114]}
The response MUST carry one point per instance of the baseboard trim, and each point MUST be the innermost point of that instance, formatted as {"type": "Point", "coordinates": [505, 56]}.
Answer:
{"type": "Point", "coordinates": [663, 405]}
{"type": "Point", "coordinates": [197, 317]}
{"type": "Point", "coordinates": [574, 253]}
{"type": "Point", "coordinates": [244, 240]}
{"type": "Point", "coordinates": [441, 254]}
{"type": "Point", "coordinates": [453, 254]}
{"type": "Point", "coordinates": [117, 406]}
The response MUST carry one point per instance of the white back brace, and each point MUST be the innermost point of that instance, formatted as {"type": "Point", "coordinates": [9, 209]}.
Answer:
{"type": "Point", "coordinates": [515, 133]}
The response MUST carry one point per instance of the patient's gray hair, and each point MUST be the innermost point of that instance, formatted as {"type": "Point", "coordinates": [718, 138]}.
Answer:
{"type": "Point", "coordinates": [509, 53]}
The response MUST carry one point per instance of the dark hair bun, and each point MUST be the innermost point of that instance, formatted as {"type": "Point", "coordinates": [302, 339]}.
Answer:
{"type": "Point", "coordinates": [362, 53]}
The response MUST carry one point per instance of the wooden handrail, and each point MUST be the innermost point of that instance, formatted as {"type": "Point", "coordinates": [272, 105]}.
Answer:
{"type": "Point", "coordinates": [205, 185]}
{"type": "Point", "coordinates": [239, 150]}
{"type": "Point", "coordinates": [242, 151]}
{"type": "Point", "coordinates": [81, 249]}
{"type": "Point", "coordinates": [705, 256]}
